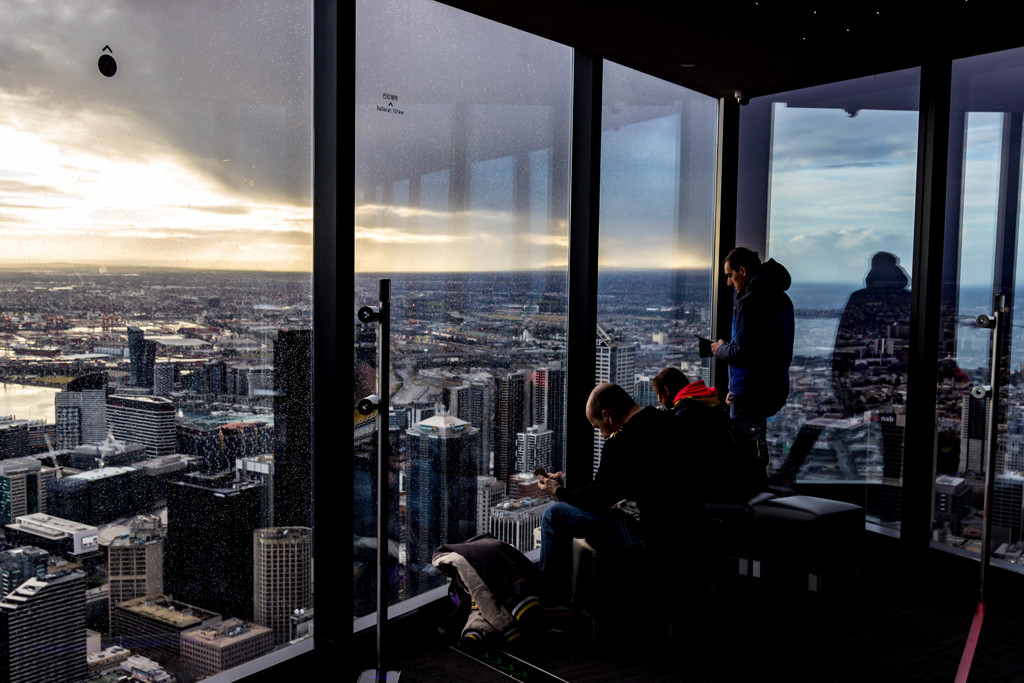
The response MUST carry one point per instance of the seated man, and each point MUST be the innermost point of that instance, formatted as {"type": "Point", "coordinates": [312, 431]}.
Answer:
{"type": "Point", "coordinates": [638, 463]}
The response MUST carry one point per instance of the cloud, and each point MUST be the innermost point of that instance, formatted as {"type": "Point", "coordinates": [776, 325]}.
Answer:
{"type": "Point", "coordinates": [204, 130]}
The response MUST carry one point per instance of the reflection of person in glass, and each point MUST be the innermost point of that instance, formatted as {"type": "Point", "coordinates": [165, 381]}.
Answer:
{"type": "Point", "coordinates": [874, 321]}
{"type": "Point", "coordinates": [869, 361]}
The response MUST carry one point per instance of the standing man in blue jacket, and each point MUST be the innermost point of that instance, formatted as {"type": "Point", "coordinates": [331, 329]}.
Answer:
{"type": "Point", "coordinates": [761, 349]}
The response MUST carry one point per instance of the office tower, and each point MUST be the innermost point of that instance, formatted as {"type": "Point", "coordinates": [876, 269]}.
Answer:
{"type": "Point", "coordinates": [614, 362]}
{"type": "Point", "coordinates": [645, 395]}
{"type": "Point", "coordinates": [1007, 507]}
{"type": "Point", "coordinates": [142, 356]}
{"type": "Point", "coordinates": [23, 487]}
{"type": "Point", "coordinates": [952, 502]}
{"type": "Point", "coordinates": [42, 630]}
{"type": "Point", "coordinates": [135, 561]}
{"type": "Point", "coordinates": [973, 428]}
{"type": "Point", "coordinates": [489, 492]}
{"type": "Point", "coordinates": [293, 428]}
{"type": "Point", "coordinates": [260, 469]}
{"type": "Point", "coordinates": [206, 651]}
{"type": "Point", "coordinates": [208, 552]}
{"type": "Point", "coordinates": [282, 560]}
{"type": "Point", "coordinates": [472, 402]}
{"type": "Point", "coordinates": [13, 438]}
{"type": "Point", "coordinates": [533, 449]}
{"type": "Point", "coordinates": [510, 419]}
{"type": "Point", "coordinates": [549, 410]}
{"type": "Point", "coordinates": [81, 411]}
{"type": "Point", "coordinates": [514, 521]}
{"type": "Point", "coordinates": [153, 624]}
{"type": "Point", "coordinates": [441, 493]}
{"type": "Point", "coordinates": [97, 497]}
{"type": "Point", "coordinates": [891, 421]}
{"type": "Point", "coordinates": [163, 379]}
{"type": "Point", "coordinates": [148, 420]}
{"type": "Point", "coordinates": [220, 445]}
{"type": "Point", "coordinates": [18, 565]}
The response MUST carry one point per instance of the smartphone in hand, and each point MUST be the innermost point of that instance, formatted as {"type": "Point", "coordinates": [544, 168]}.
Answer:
{"type": "Point", "coordinates": [703, 346]}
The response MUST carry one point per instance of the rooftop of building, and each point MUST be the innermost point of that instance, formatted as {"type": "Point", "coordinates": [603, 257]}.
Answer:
{"type": "Point", "coordinates": [107, 472]}
{"type": "Point", "coordinates": [161, 608]}
{"type": "Point", "coordinates": [24, 593]}
{"type": "Point", "coordinates": [229, 632]}
{"type": "Point", "coordinates": [47, 525]}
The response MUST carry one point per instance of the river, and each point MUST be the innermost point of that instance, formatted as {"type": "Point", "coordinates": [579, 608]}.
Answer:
{"type": "Point", "coordinates": [28, 402]}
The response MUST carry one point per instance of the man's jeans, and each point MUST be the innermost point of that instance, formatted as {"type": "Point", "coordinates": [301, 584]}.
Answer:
{"type": "Point", "coordinates": [612, 530]}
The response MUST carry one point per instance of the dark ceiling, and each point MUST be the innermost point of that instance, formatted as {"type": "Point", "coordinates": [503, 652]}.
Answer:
{"type": "Point", "coordinates": [757, 47]}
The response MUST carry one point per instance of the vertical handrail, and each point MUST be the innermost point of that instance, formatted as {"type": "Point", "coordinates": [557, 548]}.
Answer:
{"type": "Point", "coordinates": [381, 403]}
{"type": "Point", "coordinates": [383, 459]}
{"type": "Point", "coordinates": [991, 392]}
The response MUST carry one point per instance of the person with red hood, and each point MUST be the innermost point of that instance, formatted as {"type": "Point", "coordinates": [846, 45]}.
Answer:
{"type": "Point", "coordinates": [713, 449]}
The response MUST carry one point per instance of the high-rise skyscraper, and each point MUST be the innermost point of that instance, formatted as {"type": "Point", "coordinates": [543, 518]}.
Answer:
{"type": "Point", "coordinates": [441, 493]}
{"type": "Point", "coordinates": [614, 362]}
{"type": "Point", "coordinates": [22, 487]}
{"type": "Point", "coordinates": [533, 449]}
{"type": "Point", "coordinates": [163, 379]}
{"type": "Point", "coordinates": [208, 552]}
{"type": "Point", "coordinates": [473, 402]}
{"type": "Point", "coordinates": [81, 411]}
{"type": "Point", "coordinates": [142, 356]}
{"type": "Point", "coordinates": [293, 428]}
{"type": "Point", "coordinates": [42, 630]}
{"type": "Point", "coordinates": [282, 560]}
{"type": "Point", "coordinates": [489, 492]}
{"type": "Point", "coordinates": [135, 561]}
{"type": "Point", "coordinates": [549, 410]}
{"type": "Point", "coordinates": [1007, 507]}
{"type": "Point", "coordinates": [510, 419]}
{"type": "Point", "coordinates": [973, 428]}
{"type": "Point", "coordinates": [18, 565]}
{"type": "Point", "coordinates": [148, 420]}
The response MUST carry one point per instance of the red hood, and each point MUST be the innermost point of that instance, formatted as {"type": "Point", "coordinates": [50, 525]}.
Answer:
{"type": "Point", "coordinates": [699, 392]}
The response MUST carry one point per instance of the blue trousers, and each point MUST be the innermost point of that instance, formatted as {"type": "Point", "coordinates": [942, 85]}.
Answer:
{"type": "Point", "coordinates": [607, 531]}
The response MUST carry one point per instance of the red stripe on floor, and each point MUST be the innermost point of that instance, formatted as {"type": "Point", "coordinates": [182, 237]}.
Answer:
{"type": "Point", "coordinates": [972, 643]}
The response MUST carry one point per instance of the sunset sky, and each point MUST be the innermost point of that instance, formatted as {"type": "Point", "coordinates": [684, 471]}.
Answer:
{"type": "Point", "coordinates": [195, 154]}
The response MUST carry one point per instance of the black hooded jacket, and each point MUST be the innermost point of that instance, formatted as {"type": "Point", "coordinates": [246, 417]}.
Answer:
{"type": "Point", "coordinates": [761, 349]}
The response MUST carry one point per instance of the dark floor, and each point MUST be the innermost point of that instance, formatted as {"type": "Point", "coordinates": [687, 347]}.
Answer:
{"type": "Point", "coordinates": [884, 626]}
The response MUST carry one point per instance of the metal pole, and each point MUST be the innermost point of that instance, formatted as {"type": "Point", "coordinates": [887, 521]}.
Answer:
{"type": "Point", "coordinates": [383, 461]}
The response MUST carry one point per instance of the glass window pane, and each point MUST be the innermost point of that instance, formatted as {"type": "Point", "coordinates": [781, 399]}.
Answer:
{"type": "Point", "coordinates": [839, 205]}
{"type": "Point", "coordinates": [983, 250]}
{"type": "Point", "coordinates": [461, 186]}
{"type": "Point", "coordinates": [658, 164]}
{"type": "Point", "coordinates": [156, 212]}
